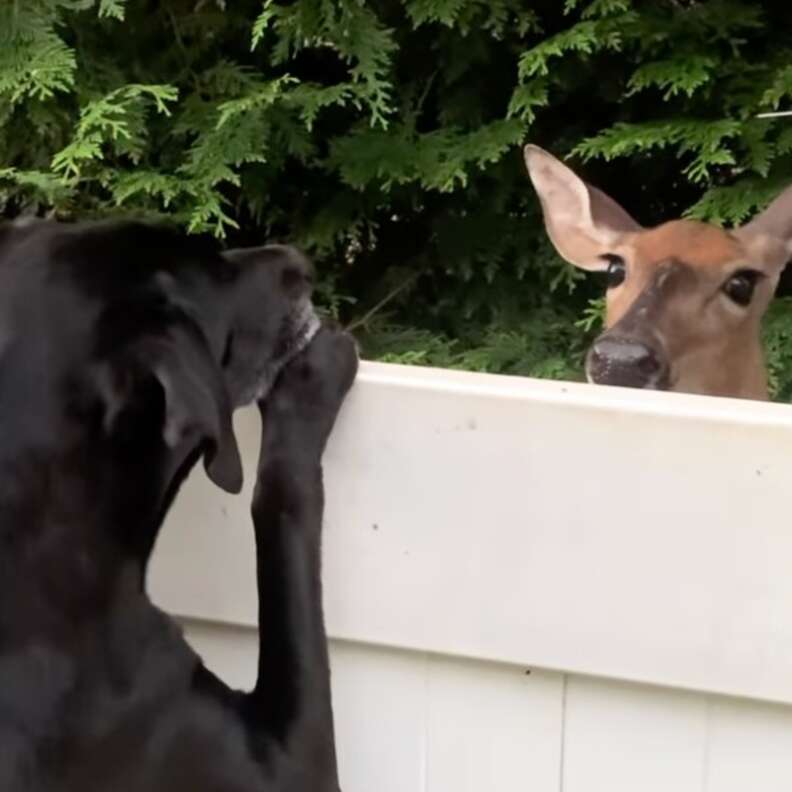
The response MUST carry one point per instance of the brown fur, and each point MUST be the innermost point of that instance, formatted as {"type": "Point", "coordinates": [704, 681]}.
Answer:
{"type": "Point", "coordinates": [703, 245]}
{"type": "Point", "coordinates": [672, 299]}
{"type": "Point", "coordinates": [714, 348]}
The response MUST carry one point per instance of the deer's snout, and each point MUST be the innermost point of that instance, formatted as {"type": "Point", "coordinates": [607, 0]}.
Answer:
{"type": "Point", "coordinates": [627, 362]}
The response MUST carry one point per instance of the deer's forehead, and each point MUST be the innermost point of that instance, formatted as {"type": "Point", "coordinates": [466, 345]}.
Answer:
{"type": "Point", "coordinates": [699, 245]}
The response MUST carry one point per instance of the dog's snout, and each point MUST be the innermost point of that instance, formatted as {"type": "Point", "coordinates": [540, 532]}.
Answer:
{"type": "Point", "coordinates": [295, 270]}
{"type": "Point", "coordinates": [295, 278]}
{"type": "Point", "coordinates": [626, 362]}
{"type": "Point", "coordinates": [282, 268]}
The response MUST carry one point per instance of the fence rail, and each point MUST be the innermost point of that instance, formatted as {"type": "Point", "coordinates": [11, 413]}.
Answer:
{"type": "Point", "coordinates": [631, 550]}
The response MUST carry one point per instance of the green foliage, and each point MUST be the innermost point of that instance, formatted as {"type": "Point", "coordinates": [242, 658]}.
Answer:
{"type": "Point", "coordinates": [777, 331]}
{"type": "Point", "coordinates": [383, 136]}
{"type": "Point", "coordinates": [545, 345]}
{"type": "Point", "coordinates": [113, 121]}
{"type": "Point", "coordinates": [112, 8]}
{"type": "Point", "coordinates": [35, 62]}
{"type": "Point", "coordinates": [439, 160]}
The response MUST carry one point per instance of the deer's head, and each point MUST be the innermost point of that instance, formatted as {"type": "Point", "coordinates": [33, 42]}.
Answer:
{"type": "Point", "coordinates": [685, 299]}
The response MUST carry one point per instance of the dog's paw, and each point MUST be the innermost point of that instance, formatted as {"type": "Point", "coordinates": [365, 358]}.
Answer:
{"type": "Point", "coordinates": [311, 388]}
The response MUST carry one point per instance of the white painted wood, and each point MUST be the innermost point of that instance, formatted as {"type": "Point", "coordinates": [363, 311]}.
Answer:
{"type": "Point", "coordinates": [408, 722]}
{"type": "Point", "coordinates": [624, 738]}
{"type": "Point", "coordinates": [633, 535]}
{"type": "Point", "coordinates": [411, 722]}
{"type": "Point", "coordinates": [379, 706]}
{"type": "Point", "coordinates": [492, 727]}
{"type": "Point", "coordinates": [228, 650]}
{"type": "Point", "coordinates": [750, 747]}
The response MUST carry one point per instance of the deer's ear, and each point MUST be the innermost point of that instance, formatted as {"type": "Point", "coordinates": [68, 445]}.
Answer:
{"type": "Point", "coordinates": [582, 222]}
{"type": "Point", "coordinates": [769, 234]}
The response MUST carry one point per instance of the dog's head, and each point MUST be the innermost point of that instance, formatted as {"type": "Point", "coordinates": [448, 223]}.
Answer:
{"type": "Point", "coordinates": [124, 349]}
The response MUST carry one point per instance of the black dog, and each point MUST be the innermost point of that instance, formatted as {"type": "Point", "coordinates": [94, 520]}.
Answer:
{"type": "Point", "coordinates": [123, 351]}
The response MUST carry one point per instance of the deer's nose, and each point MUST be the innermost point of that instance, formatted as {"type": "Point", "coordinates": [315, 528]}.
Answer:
{"type": "Point", "coordinates": [626, 362]}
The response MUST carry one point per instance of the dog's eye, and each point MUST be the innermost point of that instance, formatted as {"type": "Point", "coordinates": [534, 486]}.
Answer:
{"type": "Point", "coordinates": [616, 272]}
{"type": "Point", "coordinates": [739, 288]}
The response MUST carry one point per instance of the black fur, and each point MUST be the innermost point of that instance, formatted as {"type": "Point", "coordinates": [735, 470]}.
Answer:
{"type": "Point", "coordinates": [124, 349]}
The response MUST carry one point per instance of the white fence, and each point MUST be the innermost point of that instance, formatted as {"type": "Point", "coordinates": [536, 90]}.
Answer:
{"type": "Point", "coordinates": [531, 586]}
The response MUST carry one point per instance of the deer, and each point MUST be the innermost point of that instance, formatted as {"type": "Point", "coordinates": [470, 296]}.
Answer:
{"type": "Point", "coordinates": [684, 299]}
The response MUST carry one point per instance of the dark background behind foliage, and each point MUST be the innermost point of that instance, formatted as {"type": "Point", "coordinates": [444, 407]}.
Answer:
{"type": "Point", "coordinates": [385, 137]}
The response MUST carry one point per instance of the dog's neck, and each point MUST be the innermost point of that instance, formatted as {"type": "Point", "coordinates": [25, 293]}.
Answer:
{"type": "Point", "coordinates": [76, 538]}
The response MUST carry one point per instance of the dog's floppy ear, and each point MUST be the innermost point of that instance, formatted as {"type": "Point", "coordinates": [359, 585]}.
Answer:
{"type": "Point", "coordinates": [196, 404]}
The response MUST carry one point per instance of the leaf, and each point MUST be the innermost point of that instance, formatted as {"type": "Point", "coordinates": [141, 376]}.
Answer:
{"type": "Point", "coordinates": [706, 140]}
{"type": "Point", "coordinates": [528, 98]}
{"type": "Point", "coordinates": [350, 29]}
{"type": "Point", "coordinates": [761, 151]}
{"type": "Point", "coordinates": [439, 161]}
{"type": "Point", "coordinates": [780, 88]}
{"type": "Point", "coordinates": [736, 203]}
{"type": "Point", "coordinates": [262, 96]}
{"type": "Point", "coordinates": [445, 12]}
{"type": "Point", "coordinates": [605, 8]}
{"type": "Point", "coordinates": [107, 120]}
{"type": "Point", "coordinates": [784, 142]}
{"type": "Point", "coordinates": [584, 38]}
{"type": "Point", "coordinates": [166, 188]}
{"type": "Point", "coordinates": [681, 75]}
{"type": "Point", "coordinates": [310, 99]}
{"type": "Point", "coordinates": [45, 185]}
{"type": "Point", "coordinates": [593, 316]}
{"type": "Point", "coordinates": [113, 9]}
{"type": "Point", "coordinates": [262, 23]}
{"type": "Point", "coordinates": [37, 68]}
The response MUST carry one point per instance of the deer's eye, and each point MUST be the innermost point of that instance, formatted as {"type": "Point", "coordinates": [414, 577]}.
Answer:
{"type": "Point", "coordinates": [739, 288]}
{"type": "Point", "coordinates": [616, 272]}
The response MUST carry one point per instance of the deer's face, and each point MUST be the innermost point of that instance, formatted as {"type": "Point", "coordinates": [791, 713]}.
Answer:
{"type": "Point", "coordinates": [683, 308]}
{"type": "Point", "coordinates": [684, 300]}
